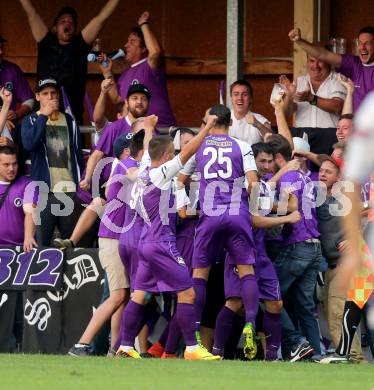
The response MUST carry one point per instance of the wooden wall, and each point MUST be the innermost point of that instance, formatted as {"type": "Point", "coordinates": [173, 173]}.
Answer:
{"type": "Point", "coordinates": [193, 34]}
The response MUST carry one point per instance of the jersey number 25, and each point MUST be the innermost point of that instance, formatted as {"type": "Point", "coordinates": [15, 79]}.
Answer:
{"type": "Point", "coordinates": [218, 156]}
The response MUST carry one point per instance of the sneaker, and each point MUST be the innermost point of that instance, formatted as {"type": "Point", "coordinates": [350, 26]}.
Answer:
{"type": "Point", "coordinates": [301, 351]}
{"type": "Point", "coordinates": [200, 353]}
{"type": "Point", "coordinates": [250, 344]}
{"type": "Point", "coordinates": [156, 350]}
{"type": "Point", "coordinates": [131, 353]}
{"type": "Point", "coordinates": [61, 243]}
{"type": "Point", "coordinates": [80, 350]}
{"type": "Point", "coordinates": [168, 356]}
{"type": "Point", "coordinates": [334, 358]}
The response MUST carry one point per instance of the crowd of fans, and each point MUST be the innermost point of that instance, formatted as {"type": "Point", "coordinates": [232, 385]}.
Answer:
{"type": "Point", "coordinates": [237, 225]}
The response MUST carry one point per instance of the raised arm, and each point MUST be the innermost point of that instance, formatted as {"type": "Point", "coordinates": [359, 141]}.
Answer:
{"type": "Point", "coordinates": [99, 117]}
{"type": "Point", "coordinates": [38, 27]}
{"type": "Point", "coordinates": [151, 43]}
{"type": "Point", "coordinates": [279, 110]}
{"type": "Point", "coordinates": [149, 124]}
{"type": "Point", "coordinates": [107, 73]}
{"type": "Point", "coordinates": [313, 50]}
{"type": "Point", "coordinates": [350, 87]}
{"type": "Point", "coordinates": [6, 96]}
{"type": "Point", "coordinates": [90, 32]}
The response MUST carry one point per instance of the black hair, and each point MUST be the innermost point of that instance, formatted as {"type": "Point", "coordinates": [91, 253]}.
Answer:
{"type": "Point", "coordinates": [158, 146]}
{"type": "Point", "coordinates": [9, 150]}
{"type": "Point", "coordinates": [182, 130]}
{"type": "Point", "coordinates": [139, 33]}
{"type": "Point", "coordinates": [223, 115]}
{"type": "Point", "coordinates": [366, 30]}
{"type": "Point", "coordinates": [245, 83]}
{"type": "Point", "coordinates": [262, 147]}
{"type": "Point", "coordinates": [346, 116]}
{"type": "Point", "coordinates": [137, 143]}
{"type": "Point", "coordinates": [280, 145]}
{"type": "Point", "coordinates": [69, 11]}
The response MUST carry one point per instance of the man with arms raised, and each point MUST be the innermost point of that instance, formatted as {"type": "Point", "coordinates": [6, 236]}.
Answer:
{"type": "Point", "coordinates": [62, 52]}
{"type": "Point", "coordinates": [144, 54]}
{"type": "Point", "coordinates": [359, 69]}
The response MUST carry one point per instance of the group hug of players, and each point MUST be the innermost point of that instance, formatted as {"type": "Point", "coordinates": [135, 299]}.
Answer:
{"type": "Point", "coordinates": [214, 189]}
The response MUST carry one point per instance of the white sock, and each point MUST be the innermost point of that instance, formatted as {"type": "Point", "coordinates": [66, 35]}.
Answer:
{"type": "Point", "coordinates": [126, 348]}
{"type": "Point", "coordinates": [191, 348]}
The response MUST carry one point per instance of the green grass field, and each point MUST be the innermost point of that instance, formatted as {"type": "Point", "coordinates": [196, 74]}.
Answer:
{"type": "Point", "coordinates": [63, 372]}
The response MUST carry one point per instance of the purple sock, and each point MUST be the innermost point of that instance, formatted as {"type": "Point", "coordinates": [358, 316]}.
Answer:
{"type": "Point", "coordinates": [133, 320]}
{"type": "Point", "coordinates": [250, 298]}
{"type": "Point", "coordinates": [174, 336]}
{"type": "Point", "coordinates": [199, 285]}
{"type": "Point", "coordinates": [273, 333]}
{"type": "Point", "coordinates": [185, 315]}
{"type": "Point", "coordinates": [164, 335]}
{"type": "Point", "coordinates": [121, 332]}
{"type": "Point", "coordinates": [224, 323]}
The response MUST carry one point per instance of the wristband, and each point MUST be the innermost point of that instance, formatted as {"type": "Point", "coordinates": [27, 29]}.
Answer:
{"type": "Point", "coordinates": [313, 102]}
{"type": "Point", "coordinates": [142, 24]}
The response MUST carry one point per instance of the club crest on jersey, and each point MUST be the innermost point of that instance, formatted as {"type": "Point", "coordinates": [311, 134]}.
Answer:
{"type": "Point", "coordinates": [135, 81]}
{"type": "Point", "coordinates": [18, 202]}
{"type": "Point", "coordinates": [180, 260]}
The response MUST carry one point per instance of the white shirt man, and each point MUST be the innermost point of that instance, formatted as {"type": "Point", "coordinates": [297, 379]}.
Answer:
{"type": "Point", "coordinates": [309, 115]}
{"type": "Point", "coordinates": [246, 125]}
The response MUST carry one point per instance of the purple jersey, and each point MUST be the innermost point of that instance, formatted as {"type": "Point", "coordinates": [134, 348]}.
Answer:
{"type": "Point", "coordinates": [155, 80]}
{"type": "Point", "coordinates": [106, 141]}
{"type": "Point", "coordinates": [115, 208]}
{"type": "Point", "coordinates": [300, 185]}
{"type": "Point", "coordinates": [222, 162]}
{"type": "Point", "coordinates": [12, 216]}
{"type": "Point", "coordinates": [313, 176]}
{"type": "Point", "coordinates": [10, 72]}
{"type": "Point", "coordinates": [156, 201]}
{"type": "Point", "coordinates": [361, 75]}
{"type": "Point", "coordinates": [133, 223]}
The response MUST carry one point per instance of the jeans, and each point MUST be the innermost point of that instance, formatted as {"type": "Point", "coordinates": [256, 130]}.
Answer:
{"type": "Point", "coordinates": [297, 266]}
{"type": "Point", "coordinates": [53, 215]}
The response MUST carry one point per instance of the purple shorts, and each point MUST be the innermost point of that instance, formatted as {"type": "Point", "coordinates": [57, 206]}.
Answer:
{"type": "Point", "coordinates": [130, 259]}
{"type": "Point", "coordinates": [161, 264]}
{"type": "Point", "coordinates": [267, 280]}
{"type": "Point", "coordinates": [230, 232]}
{"type": "Point", "coordinates": [185, 248]}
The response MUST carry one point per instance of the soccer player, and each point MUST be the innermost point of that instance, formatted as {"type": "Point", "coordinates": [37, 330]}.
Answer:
{"type": "Point", "coordinates": [160, 260]}
{"type": "Point", "coordinates": [109, 233]}
{"type": "Point", "coordinates": [269, 290]}
{"type": "Point", "coordinates": [224, 163]}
